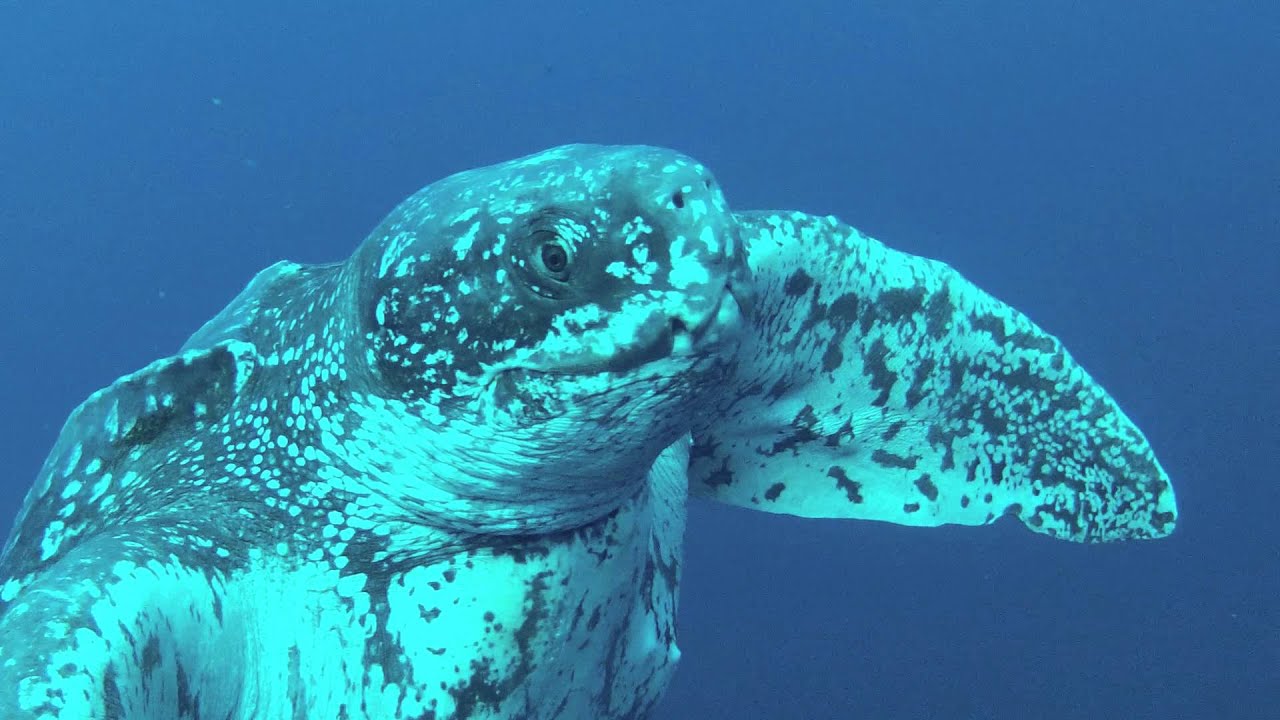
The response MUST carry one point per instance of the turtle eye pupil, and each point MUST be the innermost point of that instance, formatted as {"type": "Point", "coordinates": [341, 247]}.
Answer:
{"type": "Point", "coordinates": [554, 258]}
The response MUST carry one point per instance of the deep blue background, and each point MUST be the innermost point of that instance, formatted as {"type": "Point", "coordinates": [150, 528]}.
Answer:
{"type": "Point", "coordinates": [1113, 170]}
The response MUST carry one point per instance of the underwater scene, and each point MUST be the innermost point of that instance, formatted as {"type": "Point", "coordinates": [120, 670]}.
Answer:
{"type": "Point", "coordinates": [646, 361]}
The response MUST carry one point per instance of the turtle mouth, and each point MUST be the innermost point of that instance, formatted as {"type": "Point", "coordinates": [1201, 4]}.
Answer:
{"type": "Point", "coordinates": [553, 390]}
{"type": "Point", "coordinates": [676, 349]}
{"type": "Point", "coordinates": [598, 374]}
{"type": "Point", "coordinates": [657, 343]}
{"type": "Point", "coordinates": [662, 366]}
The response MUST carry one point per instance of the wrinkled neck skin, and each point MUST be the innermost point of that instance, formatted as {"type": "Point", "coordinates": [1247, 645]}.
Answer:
{"type": "Point", "coordinates": [470, 474]}
{"type": "Point", "coordinates": [538, 443]}
{"type": "Point", "coordinates": [481, 465]}
{"type": "Point", "coordinates": [541, 449]}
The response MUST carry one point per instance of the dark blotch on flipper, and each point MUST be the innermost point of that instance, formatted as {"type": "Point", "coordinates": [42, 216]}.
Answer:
{"type": "Point", "coordinates": [111, 705]}
{"type": "Point", "coordinates": [816, 316]}
{"type": "Point", "coordinates": [774, 491]}
{"type": "Point", "coordinates": [578, 613]}
{"type": "Point", "coordinates": [752, 390]}
{"type": "Point", "coordinates": [721, 476]}
{"type": "Point", "coordinates": [1062, 515]}
{"type": "Point", "coordinates": [892, 307]}
{"type": "Point", "coordinates": [938, 310]}
{"type": "Point", "coordinates": [780, 388]}
{"type": "Point", "coordinates": [991, 325]}
{"type": "Point", "coordinates": [926, 487]}
{"type": "Point", "coordinates": [669, 572]}
{"type": "Point", "coordinates": [957, 372]}
{"type": "Point", "coordinates": [832, 358]}
{"type": "Point", "coordinates": [188, 705]}
{"type": "Point", "coordinates": [937, 436]}
{"type": "Point", "coordinates": [844, 311]}
{"type": "Point", "coordinates": [520, 549]}
{"type": "Point", "coordinates": [801, 432]}
{"type": "Point", "coordinates": [997, 472]}
{"type": "Point", "coordinates": [877, 371]}
{"type": "Point", "coordinates": [150, 658]}
{"type": "Point", "coordinates": [148, 427]}
{"type": "Point", "coordinates": [841, 315]}
{"type": "Point", "coordinates": [923, 370]}
{"type": "Point", "coordinates": [1040, 343]}
{"type": "Point", "coordinates": [841, 435]}
{"type": "Point", "coordinates": [852, 489]}
{"type": "Point", "coordinates": [892, 431]}
{"type": "Point", "coordinates": [994, 423]}
{"type": "Point", "coordinates": [1022, 378]}
{"type": "Point", "coordinates": [899, 304]}
{"type": "Point", "coordinates": [798, 283]}
{"type": "Point", "coordinates": [297, 687]}
{"type": "Point", "coordinates": [888, 459]}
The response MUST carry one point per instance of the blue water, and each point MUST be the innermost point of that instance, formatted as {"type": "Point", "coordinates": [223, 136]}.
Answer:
{"type": "Point", "coordinates": [1112, 170]}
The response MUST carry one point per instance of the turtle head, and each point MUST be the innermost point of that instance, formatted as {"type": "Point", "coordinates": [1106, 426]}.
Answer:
{"type": "Point", "coordinates": [581, 294]}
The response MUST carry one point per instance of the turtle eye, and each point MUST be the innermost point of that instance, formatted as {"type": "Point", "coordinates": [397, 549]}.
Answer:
{"type": "Point", "coordinates": [553, 257]}
{"type": "Point", "coordinates": [546, 254]}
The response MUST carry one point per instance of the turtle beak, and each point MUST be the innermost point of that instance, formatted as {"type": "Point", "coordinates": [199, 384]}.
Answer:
{"type": "Point", "coordinates": [719, 315]}
{"type": "Point", "coordinates": [722, 323]}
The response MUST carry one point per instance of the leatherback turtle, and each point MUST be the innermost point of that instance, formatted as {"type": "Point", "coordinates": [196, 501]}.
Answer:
{"type": "Point", "coordinates": [447, 477]}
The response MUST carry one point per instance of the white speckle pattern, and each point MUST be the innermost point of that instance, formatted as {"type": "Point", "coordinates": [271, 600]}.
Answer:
{"type": "Point", "coordinates": [877, 385]}
{"type": "Point", "coordinates": [447, 477]}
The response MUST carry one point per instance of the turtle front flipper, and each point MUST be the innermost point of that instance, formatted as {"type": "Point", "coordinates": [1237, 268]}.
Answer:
{"type": "Point", "coordinates": [879, 385]}
{"type": "Point", "coordinates": [118, 454]}
{"type": "Point", "coordinates": [110, 601]}
{"type": "Point", "coordinates": [126, 625]}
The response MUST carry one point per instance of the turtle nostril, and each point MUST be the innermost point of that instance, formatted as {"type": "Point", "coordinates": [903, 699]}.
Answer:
{"type": "Point", "coordinates": [678, 199]}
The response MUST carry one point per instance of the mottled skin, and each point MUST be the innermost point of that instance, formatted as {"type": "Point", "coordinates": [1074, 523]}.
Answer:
{"type": "Point", "coordinates": [447, 477]}
{"type": "Point", "coordinates": [891, 388]}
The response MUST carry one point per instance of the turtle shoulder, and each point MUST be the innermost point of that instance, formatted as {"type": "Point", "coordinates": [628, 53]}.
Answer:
{"type": "Point", "coordinates": [147, 442]}
{"type": "Point", "coordinates": [108, 464]}
{"type": "Point", "coordinates": [260, 313]}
